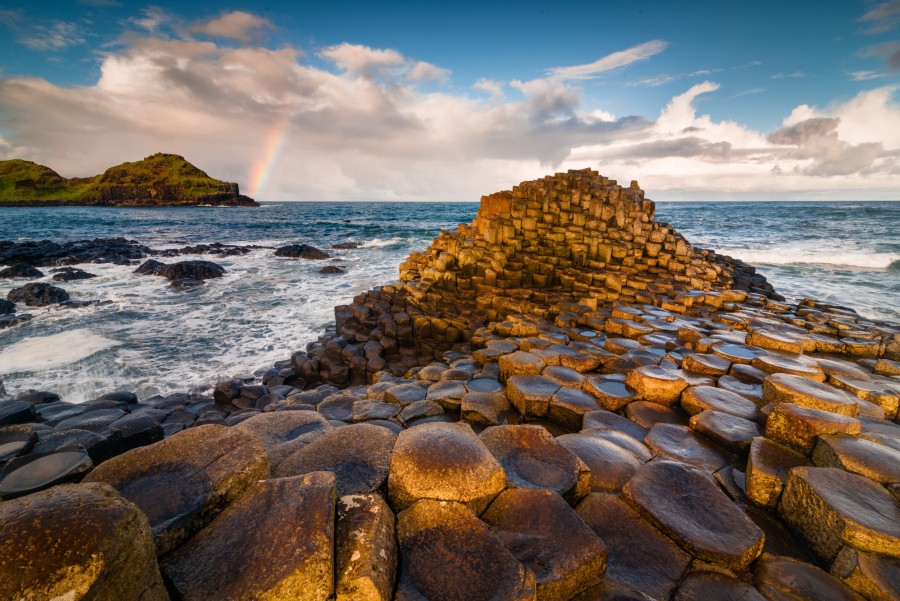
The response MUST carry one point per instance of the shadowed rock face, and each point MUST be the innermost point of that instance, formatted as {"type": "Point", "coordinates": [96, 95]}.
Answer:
{"type": "Point", "coordinates": [83, 539]}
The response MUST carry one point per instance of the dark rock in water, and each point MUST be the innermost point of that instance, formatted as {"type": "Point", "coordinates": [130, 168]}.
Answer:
{"type": "Point", "coordinates": [128, 398]}
{"type": "Point", "coordinates": [21, 270]}
{"type": "Point", "coordinates": [345, 246]}
{"type": "Point", "coordinates": [194, 270]}
{"type": "Point", "coordinates": [6, 307]}
{"type": "Point", "coordinates": [289, 525]}
{"type": "Point", "coordinates": [100, 250]}
{"type": "Point", "coordinates": [38, 397]}
{"type": "Point", "coordinates": [137, 431]}
{"type": "Point", "coordinates": [183, 482]}
{"type": "Point", "coordinates": [149, 267]}
{"type": "Point", "coordinates": [78, 304]}
{"type": "Point", "coordinates": [301, 251]}
{"type": "Point", "coordinates": [68, 274]}
{"type": "Point", "coordinates": [16, 412]}
{"type": "Point", "coordinates": [98, 445]}
{"type": "Point", "coordinates": [95, 421]}
{"type": "Point", "coordinates": [16, 440]}
{"type": "Point", "coordinates": [38, 294]}
{"type": "Point", "coordinates": [186, 284]}
{"type": "Point", "coordinates": [35, 472]}
{"type": "Point", "coordinates": [2, 390]}
{"type": "Point", "coordinates": [93, 545]}
{"type": "Point", "coordinates": [225, 392]}
{"type": "Point", "coordinates": [216, 248]}
{"type": "Point", "coordinates": [331, 269]}
{"type": "Point", "coordinates": [7, 321]}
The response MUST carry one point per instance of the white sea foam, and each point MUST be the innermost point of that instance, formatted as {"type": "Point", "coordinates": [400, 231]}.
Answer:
{"type": "Point", "coordinates": [49, 352]}
{"type": "Point", "coordinates": [812, 256]}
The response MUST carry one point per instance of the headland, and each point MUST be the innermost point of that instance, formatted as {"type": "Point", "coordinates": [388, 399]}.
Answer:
{"type": "Point", "coordinates": [156, 181]}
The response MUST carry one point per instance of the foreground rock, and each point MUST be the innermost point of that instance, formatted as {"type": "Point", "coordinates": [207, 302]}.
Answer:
{"type": "Point", "coordinates": [448, 554]}
{"type": "Point", "coordinates": [81, 541]}
{"type": "Point", "coordinates": [366, 551]}
{"type": "Point", "coordinates": [446, 462]}
{"type": "Point", "coordinates": [545, 534]}
{"type": "Point", "coordinates": [21, 270]}
{"type": "Point", "coordinates": [201, 470]}
{"type": "Point", "coordinates": [37, 294]}
{"type": "Point", "coordinates": [301, 251]}
{"type": "Point", "coordinates": [686, 504]}
{"type": "Point", "coordinates": [279, 532]}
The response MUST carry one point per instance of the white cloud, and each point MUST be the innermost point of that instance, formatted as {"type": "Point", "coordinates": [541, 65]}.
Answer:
{"type": "Point", "coordinates": [234, 25]}
{"type": "Point", "coordinates": [363, 126]}
{"type": "Point", "coordinates": [616, 60]}
{"type": "Point", "coordinates": [866, 75]}
{"type": "Point", "coordinates": [58, 35]}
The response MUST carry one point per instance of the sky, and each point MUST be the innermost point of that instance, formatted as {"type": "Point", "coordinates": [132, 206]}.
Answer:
{"type": "Point", "coordinates": [400, 100]}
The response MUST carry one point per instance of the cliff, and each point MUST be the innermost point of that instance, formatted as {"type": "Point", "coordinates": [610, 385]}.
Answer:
{"type": "Point", "coordinates": [158, 180]}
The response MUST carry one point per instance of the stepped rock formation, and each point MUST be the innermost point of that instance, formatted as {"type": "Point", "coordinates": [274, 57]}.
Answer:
{"type": "Point", "coordinates": [562, 400]}
{"type": "Point", "coordinates": [572, 238]}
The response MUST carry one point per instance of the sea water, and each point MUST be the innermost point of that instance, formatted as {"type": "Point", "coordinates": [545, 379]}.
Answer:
{"type": "Point", "coordinates": [151, 339]}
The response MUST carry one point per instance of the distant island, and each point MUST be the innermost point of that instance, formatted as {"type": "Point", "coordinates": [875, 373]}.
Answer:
{"type": "Point", "coordinates": [158, 180]}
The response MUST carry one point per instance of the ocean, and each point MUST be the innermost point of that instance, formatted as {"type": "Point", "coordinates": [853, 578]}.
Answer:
{"type": "Point", "coordinates": [151, 339]}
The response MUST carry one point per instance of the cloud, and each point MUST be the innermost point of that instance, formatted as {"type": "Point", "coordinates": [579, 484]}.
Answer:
{"type": "Point", "coordinates": [362, 123]}
{"type": "Point", "coordinates": [616, 60]}
{"type": "Point", "coordinates": [882, 17]}
{"type": "Point", "coordinates": [151, 20]}
{"type": "Point", "coordinates": [236, 25]}
{"type": "Point", "coordinates": [58, 35]}
{"type": "Point", "coordinates": [792, 75]}
{"type": "Point", "coordinates": [749, 92]}
{"type": "Point", "coordinates": [865, 75]}
{"type": "Point", "coordinates": [889, 51]}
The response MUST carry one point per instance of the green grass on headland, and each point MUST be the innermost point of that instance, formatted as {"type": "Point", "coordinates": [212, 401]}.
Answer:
{"type": "Point", "coordinates": [160, 178]}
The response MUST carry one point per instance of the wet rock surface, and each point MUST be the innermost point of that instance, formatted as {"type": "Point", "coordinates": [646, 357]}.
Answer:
{"type": "Point", "coordinates": [562, 387]}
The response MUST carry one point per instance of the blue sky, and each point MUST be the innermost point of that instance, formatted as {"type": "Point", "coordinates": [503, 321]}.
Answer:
{"type": "Point", "coordinates": [403, 100]}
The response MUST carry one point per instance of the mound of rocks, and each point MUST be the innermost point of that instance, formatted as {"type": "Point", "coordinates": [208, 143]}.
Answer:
{"type": "Point", "coordinates": [301, 251]}
{"type": "Point", "coordinates": [37, 294]}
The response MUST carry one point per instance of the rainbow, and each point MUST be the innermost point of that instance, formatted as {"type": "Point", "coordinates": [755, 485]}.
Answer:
{"type": "Point", "coordinates": [265, 164]}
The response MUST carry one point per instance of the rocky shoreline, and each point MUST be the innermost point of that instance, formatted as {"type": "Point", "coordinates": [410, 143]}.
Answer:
{"type": "Point", "coordinates": [562, 400]}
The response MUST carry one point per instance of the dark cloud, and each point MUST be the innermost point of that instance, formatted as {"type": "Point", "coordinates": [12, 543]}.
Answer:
{"type": "Point", "coordinates": [882, 17]}
{"type": "Point", "coordinates": [802, 132]}
{"type": "Point", "coordinates": [889, 51]}
{"type": "Point", "coordinates": [817, 140]}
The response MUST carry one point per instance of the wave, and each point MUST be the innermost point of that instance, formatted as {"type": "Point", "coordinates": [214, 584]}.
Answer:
{"type": "Point", "coordinates": [379, 243]}
{"type": "Point", "coordinates": [48, 352]}
{"type": "Point", "coordinates": [806, 256]}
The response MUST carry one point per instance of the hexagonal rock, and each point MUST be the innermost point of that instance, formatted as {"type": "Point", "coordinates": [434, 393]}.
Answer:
{"type": "Point", "coordinates": [803, 392]}
{"type": "Point", "coordinates": [202, 470]}
{"type": "Point", "coordinates": [774, 363]}
{"type": "Point", "coordinates": [532, 458]}
{"type": "Point", "coordinates": [680, 444]}
{"type": "Point", "coordinates": [545, 534]}
{"type": "Point", "coordinates": [736, 353]}
{"type": "Point", "coordinates": [484, 408]}
{"type": "Point", "coordinates": [627, 442]}
{"type": "Point", "coordinates": [830, 508]}
{"type": "Point", "coordinates": [365, 549]}
{"type": "Point", "coordinates": [656, 384]}
{"type": "Point", "coordinates": [359, 455]}
{"type": "Point", "coordinates": [768, 465]}
{"type": "Point", "coordinates": [282, 433]}
{"type": "Point", "coordinates": [448, 554]}
{"type": "Point", "coordinates": [859, 456]}
{"type": "Point", "coordinates": [708, 365]}
{"type": "Point", "coordinates": [446, 462]}
{"type": "Point", "coordinates": [608, 420]}
{"type": "Point", "coordinates": [713, 586]}
{"type": "Point", "coordinates": [773, 339]}
{"type": "Point", "coordinates": [640, 557]}
{"type": "Point", "coordinates": [531, 395]}
{"type": "Point", "coordinates": [34, 472]}
{"type": "Point", "coordinates": [611, 465]}
{"type": "Point", "coordinates": [688, 506]}
{"type": "Point", "coordinates": [275, 541]}
{"type": "Point", "coordinates": [405, 394]}
{"type": "Point", "coordinates": [568, 407]}
{"type": "Point", "coordinates": [728, 431]}
{"type": "Point", "coordinates": [749, 391]}
{"type": "Point", "coordinates": [874, 577]}
{"type": "Point", "coordinates": [447, 393]}
{"type": "Point", "coordinates": [785, 578]}
{"type": "Point", "coordinates": [520, 363]}
{"type": "Point", "coordinates": [798, 427]}
{"type": "Point", "coordinates": [611, 394]}
{"type": "Point", "coordinates": [81, 541]}
{"type": "Point", "coordinates": [647, 414]}
{"type": "Point", "coordinates": [697, 399]}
